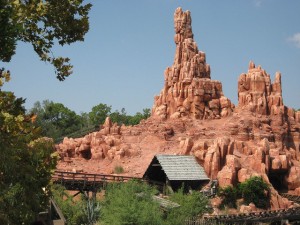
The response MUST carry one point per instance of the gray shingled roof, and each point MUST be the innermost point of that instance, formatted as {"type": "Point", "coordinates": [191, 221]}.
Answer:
{"type": "Point", "coordinates": [181, 167]}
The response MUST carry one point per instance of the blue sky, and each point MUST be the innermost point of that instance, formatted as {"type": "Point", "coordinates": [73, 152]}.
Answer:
{"type": "Point", "coordinates": [130, 43]}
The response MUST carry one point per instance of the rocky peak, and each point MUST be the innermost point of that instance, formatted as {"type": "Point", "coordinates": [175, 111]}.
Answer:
{"type": "Point", "coordinates": [258, 94]}
{"type": "Point", "coordinates": [182, 25]}
{"type": "Point", "coordinates": [188, 89]}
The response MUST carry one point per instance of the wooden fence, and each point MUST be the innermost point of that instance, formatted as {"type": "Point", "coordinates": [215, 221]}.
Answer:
{"type": "Point", "coordinates": [87, 181]}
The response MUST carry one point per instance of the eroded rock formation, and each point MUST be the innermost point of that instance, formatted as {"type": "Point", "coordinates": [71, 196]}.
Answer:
{"type": "Point", "coordinates": [257, 93]}
{"type": "Point", "coordinates": [260, 137]}
{"type": "Point", "coordinates": [188, 89]}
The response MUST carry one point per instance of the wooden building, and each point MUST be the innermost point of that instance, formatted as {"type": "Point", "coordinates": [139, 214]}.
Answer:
{"type": "Point", "coordinates": [176, 171]}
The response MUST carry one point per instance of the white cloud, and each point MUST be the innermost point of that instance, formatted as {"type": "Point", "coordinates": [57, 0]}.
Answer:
{"type": "Point", "coordinates": [295, 39]}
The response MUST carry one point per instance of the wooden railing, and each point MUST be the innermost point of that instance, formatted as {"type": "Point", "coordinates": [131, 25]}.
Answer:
{"type": "Point", "coordinates": [87, 181]}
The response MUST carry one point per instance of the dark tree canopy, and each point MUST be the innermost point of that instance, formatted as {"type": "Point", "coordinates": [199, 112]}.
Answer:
{"type": "Point", "coordinates": [56, 120]}
{"type": "Point", "coordinates": [99, 113]}
{"type": "Point", "coordinates": [43, 23]}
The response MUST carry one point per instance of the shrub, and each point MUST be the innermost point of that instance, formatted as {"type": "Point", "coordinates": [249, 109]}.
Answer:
{"type": "Point", "coordinates": [191, 205]}
{"type": "Point", "coordinates": [255, 190]}
{"type": "Point", "coordinates": [130, 203]}
{"type": "Point", "coordinates": [118, 169]}
{"type": "Point", "coordinates": [229, 196]}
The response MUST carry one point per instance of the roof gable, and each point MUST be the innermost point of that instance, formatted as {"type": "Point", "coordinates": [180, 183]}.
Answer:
{"type": "Point", "coordinates": [181, 167]}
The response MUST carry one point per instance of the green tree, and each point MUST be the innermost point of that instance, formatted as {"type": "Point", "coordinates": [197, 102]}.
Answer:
{"type": "Point", "coordinates": [130, 203]}
{"type": "Point", "coordinates": [26, 162]}
{"type": "Point", "coordinates": [43, 23]}
{"type": "Point", "coordinates": [146, 113]}
{"type": "Point", "coordinates": [99, 114]}
{"type": "Point", "coordinates": [120, 117]}
{"type": "Point", "coordinates": [194, 204]}
{"type": "Point", "coordinates": [136, 119]}
{"type": "Point", "coordinates": [55, 119]}
{"type": "Point", "coordinates": [86, 122]}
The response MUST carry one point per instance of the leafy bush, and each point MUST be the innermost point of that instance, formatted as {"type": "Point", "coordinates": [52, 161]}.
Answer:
{"type": "Point", "coordinates": [130, 203]}
{"type": "Point", "coordinates": [194, 204]}
{"type": "Point", "coordinates": [229, 195]}
{"type": "Point", "coordinates": [255, 190]}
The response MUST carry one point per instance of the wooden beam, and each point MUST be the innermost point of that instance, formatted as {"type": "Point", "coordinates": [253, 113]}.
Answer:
{"type": "Point", "coordinates": [79, 192]}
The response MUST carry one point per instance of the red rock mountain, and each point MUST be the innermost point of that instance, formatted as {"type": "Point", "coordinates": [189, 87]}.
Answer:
{"type": "Point", "coordinates": [261, 136]}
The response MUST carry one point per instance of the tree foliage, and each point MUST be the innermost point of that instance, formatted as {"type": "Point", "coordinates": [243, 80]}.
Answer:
{"type": "Point", "coordinates": [229, 196]}
{"type": "Point", "coordinates": [55, 119]}
{"type": "Point", "coordinates": [136, 119]}
{"type": "Point", "coordinates": [99, 113]}
{"type": "Point", "coordinates": [26, 162]}
{"type": "Point", "coordinates": [73, 210]}
{"type": "Point", "coordinates": [42, 23]}
{"type": "Point", "coordinates": [193, 204]}
{"type": "Point", "coordinates": [254, 190]}
{"type": "Point", "coordinates": [119, 117]}
{"type": "Point", "coordinates": [122, 117]}
{"type": "Point", "coordinates": [130, 203]}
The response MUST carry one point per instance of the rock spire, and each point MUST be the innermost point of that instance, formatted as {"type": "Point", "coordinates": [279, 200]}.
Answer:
{"type": "Point", "coordinates": [188, 89]}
